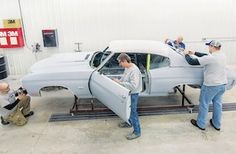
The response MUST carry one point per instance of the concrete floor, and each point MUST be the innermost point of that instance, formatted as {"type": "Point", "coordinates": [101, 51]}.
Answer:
{"type": "Point", "coordinates": [165, 134]}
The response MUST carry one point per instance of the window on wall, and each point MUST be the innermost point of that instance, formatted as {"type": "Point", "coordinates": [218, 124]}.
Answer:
{"type": "Point", "coordinates": [158, 61]}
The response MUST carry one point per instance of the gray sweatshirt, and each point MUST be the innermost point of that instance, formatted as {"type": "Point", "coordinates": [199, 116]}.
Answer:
{"type": "Point", "coordinates": [214, 68]}
{"type": "Point", "coordinates": [132, 79]}
{"type": "Point", "coordinates": [8, 98]}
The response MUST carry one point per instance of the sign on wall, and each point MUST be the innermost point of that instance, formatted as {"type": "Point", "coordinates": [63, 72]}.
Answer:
{"type": "Point", "coordinates": [11, 23]}
{"type": "Point", "coordinates": [11, 38]}
{"type": "Point", "coordinates": [49, 37]}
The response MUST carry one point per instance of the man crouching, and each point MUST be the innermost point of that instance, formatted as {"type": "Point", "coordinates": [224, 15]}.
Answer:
{"type": "Point", "coordinates": [15, 105]}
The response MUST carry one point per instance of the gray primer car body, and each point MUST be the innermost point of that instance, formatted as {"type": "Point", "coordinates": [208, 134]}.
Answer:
{"type": "Point", "coordinates": [88, 74]}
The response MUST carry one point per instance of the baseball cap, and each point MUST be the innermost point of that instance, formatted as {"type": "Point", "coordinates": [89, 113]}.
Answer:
{"type": "Point", "coordinates": [214, 43]}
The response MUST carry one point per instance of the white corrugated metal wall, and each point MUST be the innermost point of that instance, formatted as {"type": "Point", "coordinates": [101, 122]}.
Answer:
{"type": "Point", "coordinates": [96, 22]}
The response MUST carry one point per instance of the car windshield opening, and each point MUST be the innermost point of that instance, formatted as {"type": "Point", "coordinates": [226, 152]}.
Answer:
{"type": "Point", "coordinates": [98, 57]}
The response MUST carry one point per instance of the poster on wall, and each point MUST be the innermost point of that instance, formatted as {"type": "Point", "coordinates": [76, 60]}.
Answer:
{"type": "Point", "coordinates": [50, 37]}
{"type": "Point", "coordinates": [11, 38]}
{"type": "Point", "coordinates": [11, 35]}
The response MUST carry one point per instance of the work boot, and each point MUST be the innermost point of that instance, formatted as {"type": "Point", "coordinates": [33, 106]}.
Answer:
{"type": "Point", "coordinates": [132, 136]}
{"type": "Point", "coordinates": [4, 122]}
{"type": "Point", "coordinates": [124, 125]}
{"type": "Point", "coordinates": [218, 129]}
{"type": "Point", "coordinates": [29, 114]}
{"type": "Point", "coordinates": [194, 123]}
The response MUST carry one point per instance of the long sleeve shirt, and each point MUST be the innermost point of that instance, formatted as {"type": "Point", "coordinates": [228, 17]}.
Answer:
{"type": "Point", "coordinates": [214, 67]}
{"type": "Point", "coordinates": [8, 98]}
{"type": "Point", "coordinates": [132, 79]}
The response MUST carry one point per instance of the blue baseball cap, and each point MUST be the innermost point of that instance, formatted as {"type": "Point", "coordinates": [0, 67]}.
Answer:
{"type": "Point", "coordinates": [214, 43]}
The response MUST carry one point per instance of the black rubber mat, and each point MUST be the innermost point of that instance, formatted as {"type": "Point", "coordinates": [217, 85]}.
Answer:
{"type": "Point", "coordinates": [155, 111]}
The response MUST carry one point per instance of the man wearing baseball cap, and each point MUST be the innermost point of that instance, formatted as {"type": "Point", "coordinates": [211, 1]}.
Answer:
{"type": "Point", "coordinates": [214, 83]}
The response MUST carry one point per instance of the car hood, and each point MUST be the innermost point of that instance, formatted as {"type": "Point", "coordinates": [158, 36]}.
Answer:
{"type": "Point", "coordinates": [64, 62]}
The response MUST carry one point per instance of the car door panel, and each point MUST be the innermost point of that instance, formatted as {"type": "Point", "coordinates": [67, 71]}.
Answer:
{"type": "Point", "coordinates": [114, 96]}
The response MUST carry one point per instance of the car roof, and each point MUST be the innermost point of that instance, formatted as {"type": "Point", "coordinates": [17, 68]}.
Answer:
{"type": "Point", "coordinates": [142, 46]}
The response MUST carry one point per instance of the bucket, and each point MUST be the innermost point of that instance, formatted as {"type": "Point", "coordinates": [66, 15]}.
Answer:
{"type": "Point", "coordinates": [3, 71]}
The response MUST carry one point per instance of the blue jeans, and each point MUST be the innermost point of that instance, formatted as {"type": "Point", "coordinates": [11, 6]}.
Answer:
{"type": "Point", "coordinates": [210, 94]}
{"type": "Point", "coordinates": [134, 121]}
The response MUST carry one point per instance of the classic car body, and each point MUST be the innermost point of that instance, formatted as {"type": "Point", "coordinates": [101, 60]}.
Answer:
{"type": "Point", "coordinates": [89, 74]}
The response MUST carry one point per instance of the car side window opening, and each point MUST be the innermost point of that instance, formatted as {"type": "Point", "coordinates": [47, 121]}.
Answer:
{"type": "Point", "coordinates": [158, 61]}
{"type": "Point", "coordinates": [144, 61]}
{"type": "Point", "coordinates": [112, 69]}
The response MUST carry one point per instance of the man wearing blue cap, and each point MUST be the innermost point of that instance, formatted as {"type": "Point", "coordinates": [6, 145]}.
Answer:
{"type": "Point", "coordinates": [214, 83]}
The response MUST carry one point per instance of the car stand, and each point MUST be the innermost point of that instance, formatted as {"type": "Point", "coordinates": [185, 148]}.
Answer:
{"type": "Point", "coordinates": [79, 108]}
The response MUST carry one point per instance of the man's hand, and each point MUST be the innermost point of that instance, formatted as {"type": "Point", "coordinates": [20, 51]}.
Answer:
{"type": "Point", "coordinates": [189, 52]}
{"type": "Point", "coordinates": [20, 96]}
{"type": "Point", "coordinates": [166, 40]}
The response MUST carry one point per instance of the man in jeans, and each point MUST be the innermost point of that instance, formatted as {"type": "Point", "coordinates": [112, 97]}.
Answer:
{"type": "Point", "coordinates": [132, 80]}
{"type": "Point", "coordinates": [214, 83]}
